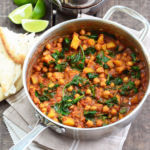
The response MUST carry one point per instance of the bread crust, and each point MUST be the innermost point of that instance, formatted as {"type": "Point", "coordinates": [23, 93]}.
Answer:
{"type": "Point", "coordinates": [17, 59]}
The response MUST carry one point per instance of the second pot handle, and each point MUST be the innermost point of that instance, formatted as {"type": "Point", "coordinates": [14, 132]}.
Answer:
{"type": "Point", "coordinates": [131, 13]}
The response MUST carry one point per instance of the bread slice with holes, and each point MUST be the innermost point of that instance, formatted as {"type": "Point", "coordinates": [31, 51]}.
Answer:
{"type": "Point", "coordinates": [16, 45]}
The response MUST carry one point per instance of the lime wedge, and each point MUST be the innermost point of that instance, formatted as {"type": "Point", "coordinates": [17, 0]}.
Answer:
{"type": "Point", "coordinates": [22, 2]}
{"type": "Point", "coordinates": [39, 10]}
{"type": "Point", "coordinates": [31, 25]}
{"type": "Point", "coordinates": [22, 12]}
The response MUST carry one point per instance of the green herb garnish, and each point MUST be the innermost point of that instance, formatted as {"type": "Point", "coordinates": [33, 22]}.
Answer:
{"type": "Point", "coordinates": [101, 58]}
{"type": "Point", "coordinates": [89, 115]}
{"type": "Point", "coordinates": [123, 110]}
{"type": "Point", "coordinates": [110, 102]}
{"type": "Point", "coordinates": [90, 50]}
{"type": "Point", "coordinates": [92, 75]}
{"type": "Point", "coordinates": [61, 67]}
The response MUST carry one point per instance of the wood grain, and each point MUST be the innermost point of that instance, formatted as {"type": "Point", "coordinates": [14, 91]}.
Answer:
{"type": "Point", "coordinates": [139, 134]}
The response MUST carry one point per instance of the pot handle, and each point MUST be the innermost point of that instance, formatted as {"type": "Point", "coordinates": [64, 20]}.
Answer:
{"type": "Point", "coordinates": [131, 13]}
{"type": "Point", "coordinates": [27, 140]}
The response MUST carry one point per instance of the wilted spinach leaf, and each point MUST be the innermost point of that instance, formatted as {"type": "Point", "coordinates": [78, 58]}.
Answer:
{"type": "Point", "coordinates": [89, 115]}
{"type": "Point", "coordinates": [92, 75]}
{"type": "Point", "coordinates": [90, 50]}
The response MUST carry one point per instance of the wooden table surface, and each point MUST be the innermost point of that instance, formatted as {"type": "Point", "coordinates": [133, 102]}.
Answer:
{"type": "Point", "coordinates": [139, 134]}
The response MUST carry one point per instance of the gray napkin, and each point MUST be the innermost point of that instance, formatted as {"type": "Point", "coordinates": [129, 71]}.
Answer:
{"type": "Point", "coordinates": [22, 114]}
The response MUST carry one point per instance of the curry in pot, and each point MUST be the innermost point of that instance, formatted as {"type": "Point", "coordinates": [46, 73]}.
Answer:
{"type": "Point", "coordinates": [87, 80]}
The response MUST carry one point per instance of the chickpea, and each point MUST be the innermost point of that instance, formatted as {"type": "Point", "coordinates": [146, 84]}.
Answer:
{"type": "Point", "coordinates": [114, 119]}
{"type": "Point", "coordinates": [100, 70]}
{"type": "Point", "coordinates": [110, 64]}
{"type": "Point", "coordinates": [120, 69]}
{"type": "Point", "coordinates": [44, 110]}
{"type": "Point", "coordinates": [106, 94]}
{"type": "Point", "coordinates": [45, 69]}
{"type": "Point", "coordinates": [91, 42]}
{"type": "Point", "coordinates": [90, 123]}
{"type": "Point", "coordinates": [118, 56]}
{"type": "Point", "coordinates": [41, 105]}
{"type": "Point", "coordinates": [77, 95]}
{"type": "Point", "coordinates": [59, 61]}
{"type": "Point", "coordinates": [84, 38]}
{"type": "Point", "coordinates": [112, 84]}
{"type": "Point", "coordinates": [134, 100]}
{"type": "Point", "coordinates": [104, 47]}
{"type": "Point", "coordinates": [118, 98]}
{"type": "Point", "coordinates": [96, 80]}
{"type": "Point", "coordinates": [82, 32]}
{"type": "Point", "coordinates": [106, 71]}
{"type": "Point", "coordinates": [114, 111]}
{"type": "Point", "coordinates": [87, 107]}
{"type": "Point", "coordinates": [84, 47]}
{"type": "Point", "coordinates": [55, 119]}
{"type": "Point", "coordinates": [116, 107]}
{"type": "Point", "coordinates": [88, 92]}
{"type": "Point", "coordinates": [49, 75]}
{"type": "Point", "coordinates": [48, 46]}
{"type": "Point", "coordinates": [70, 88]}
{"type": "Point", "coordinates": [137, 83]}
{"type": "Point", "coordinates": [92, 58]}
{"type": "Point", "coordinates": [59, 45]}
{"type": "Point", "coordinates": [121, 116]}
{"type": "Point", "coordinates": [102, 75]}
{"type": "Point", "coordinates": [88, 33]}
{"type": "Point", "coordinates": [130, 63]}
{"type": "Point", "coordinates": [51, 65]}
{"type": "Point", "coordinates": [102, 84]}
{"type": "Point", "coordinates": [99, 107]}
{"type": "Point", "coordinates": [37, 68]}
{"type": "Point", "coordinates": [106, 109]}
{"type": "Point", "coordinates": [46, 53]}
{"type": "Point", "coordinates": [61, 81]}
{"type": "Point", "coordinates": [125, 79]}
{"type": "Point", "coordinates": [99, 123]}
{"type": "Point", "coordinates": [101, 39]}
{"type": "Point", "coordinates": [93, 108]}
{"type": "Point", "coordinates": [89, 99]}
{"type": "Point", "coordinates": [86, 60]}
{"type": "Point", "coordinates": [125, 54]}
{"type": "Point", "coordinates": [51, 85]}
{"type": "Point", "coordinates": [118, 63]}
{"type": "Point", "coordinates": [98, 47]}
{"type": "Point", "coordinates": [36, 100]}
{"type": "Point", "coordinates": [60, 40]}
{"type": "Point", "coordinates": [72, 107]}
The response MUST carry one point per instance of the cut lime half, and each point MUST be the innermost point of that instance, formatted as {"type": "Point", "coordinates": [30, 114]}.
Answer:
{"type": "Point", "coordinates": [31, 25]}
{"type": "Point", "coordinates": [22, 12]}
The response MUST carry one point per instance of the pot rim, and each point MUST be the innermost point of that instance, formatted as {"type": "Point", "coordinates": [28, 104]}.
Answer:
{"type": "Point", "coordinates": [46, 34]}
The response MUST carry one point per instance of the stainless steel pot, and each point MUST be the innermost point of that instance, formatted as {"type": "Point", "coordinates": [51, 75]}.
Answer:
{"type": "Point", "coordinates": [67, 28]}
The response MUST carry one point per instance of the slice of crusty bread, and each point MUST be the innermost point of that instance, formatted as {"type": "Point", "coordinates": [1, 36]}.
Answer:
{"type": "Point", "coordinates": [10, 72]}
{"type": "Point", "coordinates": [16, 45]}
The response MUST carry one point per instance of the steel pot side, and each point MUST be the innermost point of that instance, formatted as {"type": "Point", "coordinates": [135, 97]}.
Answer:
{"type": "Point", "coordinates": [75, 25]}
